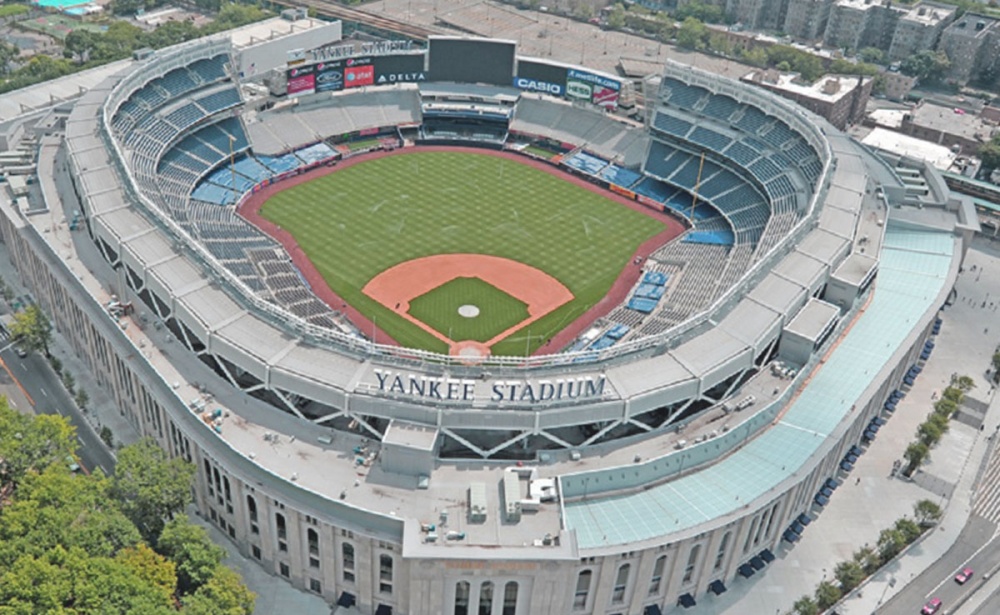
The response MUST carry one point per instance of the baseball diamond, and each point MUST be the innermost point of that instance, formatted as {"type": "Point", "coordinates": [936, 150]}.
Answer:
{"type": "Point", "coordinates": [374, 212]}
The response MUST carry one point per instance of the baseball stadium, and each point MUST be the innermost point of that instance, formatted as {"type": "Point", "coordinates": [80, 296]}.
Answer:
{"type": "Point", "coordinates": [448, 329]}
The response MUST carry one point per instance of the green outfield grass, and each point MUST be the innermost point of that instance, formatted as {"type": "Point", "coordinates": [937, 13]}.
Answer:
{"type": "Point", "coordinates": [359, 221]}
{"type": "Point", "coordinates": [498, 311]}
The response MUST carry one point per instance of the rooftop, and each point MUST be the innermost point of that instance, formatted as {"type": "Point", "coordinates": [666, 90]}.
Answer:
{"type": "Point", "coordinates": [971, 25]}
{"type": "Point", "coordinates": [829, 88]}
{"type": "Point", "coordinates": [915, 265]}
{"type": "Point", "coordinates": [951, 121]}
{"type": "Point", "coordinates": [929, 14]}
{"type": "Point", "coordinates": [939, 156]}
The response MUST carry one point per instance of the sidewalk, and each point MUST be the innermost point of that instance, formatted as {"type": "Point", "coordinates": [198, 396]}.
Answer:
{"type": "Point", "coordinates": [101, 409]}
{"type": "Point", "coordinates": [964, 347]}
{"type": "Point", "coordinates": [869, 500]}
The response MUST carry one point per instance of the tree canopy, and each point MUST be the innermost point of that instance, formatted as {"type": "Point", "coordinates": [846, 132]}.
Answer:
{"type": "Point", "coordinates": [926, 66]}
{"type": "Point", "coordinates": [89, 49]}
{"type": "Point", "coordinates": [151, 487]}
{"type": "Point", "coordinates": [67, 545]}
{"type": "Point", "coordinates": [32, 330]}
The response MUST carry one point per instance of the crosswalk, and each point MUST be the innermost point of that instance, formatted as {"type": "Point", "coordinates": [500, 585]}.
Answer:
{"type": "Point", "coordinates": [987, 500]}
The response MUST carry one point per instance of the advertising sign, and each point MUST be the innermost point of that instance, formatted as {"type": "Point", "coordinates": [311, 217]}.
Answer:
{"type": "Point", "coordinates": [407, 68]}
{"type": "Point", "coordinates": [603, 91]}
{"type": "Point", "coordinates": [540, 76]}
{"type": "Point", "coordinates": [535, 85]}
{"type": "Point", "coordinates": [579, 90]}
{"type": "Point", "coordinates": [301, 80]}
{"type": "Point", "coordinates": [330, 76]}
{"type": "Point", "coordinates": [358, 72]}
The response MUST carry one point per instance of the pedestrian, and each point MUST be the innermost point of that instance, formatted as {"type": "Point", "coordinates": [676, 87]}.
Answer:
{"type": "Point", "coordinates": [858, 482]}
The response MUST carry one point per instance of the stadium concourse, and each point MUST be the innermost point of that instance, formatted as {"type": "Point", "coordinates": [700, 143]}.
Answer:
{"type": "Point", "coordinates": [674, 448]}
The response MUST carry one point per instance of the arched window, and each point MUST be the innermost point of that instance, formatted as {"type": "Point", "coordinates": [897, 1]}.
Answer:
{"type": "Point", "coordinates": [347, 551]}
{"type": "Point", "coordinates": [692, 562]}
{"type": "Point", "coordinates": [486, 598]}
{"type": "Point", "coordinates": [252, 508]}
{"type": "Point", "coordinates": [385, 573]}
{"type": "Point", "coordinates": [582, 589]}
{"type": "Point", "coordinates": [313, 538]}
{"type": "Point", "coordinates": [722, 551]}
{"type": "Point", "coordinates": [656, 581]}
{"type": "Point", "coordinates": [621, 583]}
{"type": "Point", "coordinates": [510, 598]}
{"type": "Point", "coordinates": [462, 598]}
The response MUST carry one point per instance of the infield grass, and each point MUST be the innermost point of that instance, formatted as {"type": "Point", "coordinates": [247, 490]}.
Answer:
{"type": "Point", "coordinates": [361, 220]}
{"type": "Point", "coordinates": [498, 311]}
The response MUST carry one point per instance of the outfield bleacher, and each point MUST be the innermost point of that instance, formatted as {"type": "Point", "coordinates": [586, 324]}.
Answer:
{"type": "Point", "coordinates": [585, 162]}
{"type": "Point", "coordinates": [620, 176]}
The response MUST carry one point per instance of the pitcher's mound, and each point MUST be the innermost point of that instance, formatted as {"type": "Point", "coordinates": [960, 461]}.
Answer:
{"type": "Point", "coordinates": [468, 311]}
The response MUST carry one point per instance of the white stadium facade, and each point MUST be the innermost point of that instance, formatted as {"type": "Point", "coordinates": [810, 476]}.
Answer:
{"type": "Point", "coordinates": [664, 455]}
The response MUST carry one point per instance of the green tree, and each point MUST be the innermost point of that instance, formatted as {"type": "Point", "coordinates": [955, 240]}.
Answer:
{"type": "Point", "coordinates": [954, 394]}
{"type": "Point", "coordinates": [827, 594]}
{"type": "Point", "coordinates": [718, 43]}
{"type": "Point", "coordinates": [31, 443]}
{"type": "Point", "coordinates": [929, 433]}
{"type": "Point", "coordinates": [915, 454]}
{"type": "Point", "coordinates": [189, 547]}
{"type": "Point", "coordinates": [755, 57]}
{"type": "Point", "coordinates": [707, 13]}
{"type": "Point", "coordinates": [945, 407]}
{"type": "Point", "coordinates": [693, 34]}
{"type": "Point", "coordinates": [82, 399]}
{"type": "Point", "coordinates": [223, 594]}
{"type": "Point", "coordinates": [963, 383]}
{"type": "Point", "coordinates": [871, 55]}
{"type": "Point", "coordinates": [806, 605]}
{"type": "Point", "coordinates": [79, 43]}
{"type": "Point", "coordinates": [32, 330]}
{"type": "Point", "coordinates": [151, 487]}
{"type": "Point", "coordinates": [909, 529]}
{"type": "Point", "coordinates": [107, 436]}
{"type": "Point", "coordinates": [8, 53]}
{"type": "Point", "coordinates": [890, 542]}
{"type": "Point", "coordinates": [868, 559]}
{"type": "Point", "coordinates": [926, 512]}
{"type": "Point", "coordinates": [926, 66]}
{"type": "Point", "coordinates": [849, 574]}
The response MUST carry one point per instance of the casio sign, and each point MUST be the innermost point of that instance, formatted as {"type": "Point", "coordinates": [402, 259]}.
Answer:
{"type": "Point", "coordinates": [538, 86]}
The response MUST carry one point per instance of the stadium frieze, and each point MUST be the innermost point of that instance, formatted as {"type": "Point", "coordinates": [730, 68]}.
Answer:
{"type": "Point", "coordinates": [526, 391]}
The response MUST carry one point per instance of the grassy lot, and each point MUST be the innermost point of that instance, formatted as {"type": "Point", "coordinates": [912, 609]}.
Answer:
{"type": "Point", "coordinates": [362, 220]}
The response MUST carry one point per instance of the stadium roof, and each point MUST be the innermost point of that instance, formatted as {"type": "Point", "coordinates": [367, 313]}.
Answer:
{"type": "Point", "coordinates": [43, 95]}
{"type": "Point", "coordinates": [915, 266]}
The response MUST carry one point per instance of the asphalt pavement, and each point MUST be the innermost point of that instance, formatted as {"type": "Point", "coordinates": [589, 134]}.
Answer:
{"type": "Point", "coordinates": [45, 389]}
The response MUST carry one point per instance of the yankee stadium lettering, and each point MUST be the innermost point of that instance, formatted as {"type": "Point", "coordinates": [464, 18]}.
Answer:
{"type": "Point", "coordinates": [462, 389]}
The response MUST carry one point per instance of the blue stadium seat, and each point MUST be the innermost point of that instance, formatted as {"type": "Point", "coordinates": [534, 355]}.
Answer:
{"type": "Point", "coordinates": [211, 69]}
{"type": "Point", "coordinates": [670, 124]}
{"type": "Point", "coordinates": [741, 153]}
{"type": "Point", "coordinates": [753, 120]}
{"type": "Point", "coordinates": [721, 107]}
{"type": "Point", "coordinates": [218, 101]}
{"type": "Point", "coordinates": [185, 116]}
{"type": "Point", "coordinates": [710, 139]}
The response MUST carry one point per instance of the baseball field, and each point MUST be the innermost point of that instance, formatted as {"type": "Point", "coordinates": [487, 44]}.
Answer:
{"type": "Point", "coordinates": [367, 220]}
